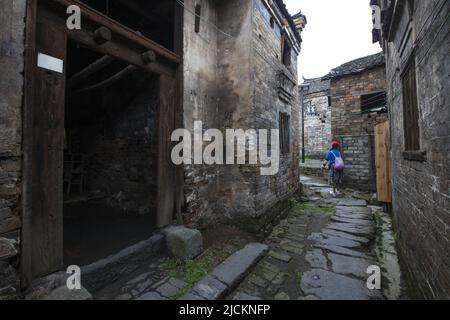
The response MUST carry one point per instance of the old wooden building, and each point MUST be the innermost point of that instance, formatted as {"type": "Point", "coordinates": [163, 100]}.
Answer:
{"type": "Point", "coordinates": [415, 38]}
{"type": "Point", "coordinates": [87, 115]}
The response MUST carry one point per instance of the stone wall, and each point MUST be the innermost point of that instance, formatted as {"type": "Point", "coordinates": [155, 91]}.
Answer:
{"type": "Point", "coordinates": [268, 70]}
{"type": "Point", "coordinates": [421, 189]}
{"type": "Point", "coordinates": [353, 129]}
{"type": "Point", "coordinates": [12, 25]}
{"type": "Point", "coordinates": [231, 85]}
{"type": "Point", "coordinates": [317, 124]}
{"type": "Point", "coordinates": [200, 102]}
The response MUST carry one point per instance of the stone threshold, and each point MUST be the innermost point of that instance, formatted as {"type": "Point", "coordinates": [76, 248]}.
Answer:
{"type": "Point", "coordinates": [219, 283]}
{"type": "Point", "coordinates": [98, 274]}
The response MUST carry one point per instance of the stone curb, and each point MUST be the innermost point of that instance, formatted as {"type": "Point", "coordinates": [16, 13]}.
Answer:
{"type": "Point", "coordinates": [105, 271]}
{"type": "Point", "coordinates": [227, 276]}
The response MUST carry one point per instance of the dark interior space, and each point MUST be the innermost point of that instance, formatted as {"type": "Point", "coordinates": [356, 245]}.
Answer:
{"type": "Point", "coordinates": [110, 155]}
{"type": "Point", "coordinates": [152, 18]}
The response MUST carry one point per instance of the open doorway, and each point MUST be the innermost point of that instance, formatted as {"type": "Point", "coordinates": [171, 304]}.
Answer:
{"type": "Point", "coordinates": [110, 155]}
{"type": "Point", "coordinates": [102, 102]}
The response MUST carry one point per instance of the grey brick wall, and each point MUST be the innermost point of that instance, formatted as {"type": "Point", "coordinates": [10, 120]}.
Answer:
{"type": "Point", "coordinates": [317, 125]}
{"type": "Point", "coordinates": [421, 190]}
{"type": "Point", "coordinates": [12, 27]}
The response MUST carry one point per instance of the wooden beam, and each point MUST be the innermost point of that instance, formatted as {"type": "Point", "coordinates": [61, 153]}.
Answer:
{"type": "Point", "coordinates": [89, 70]}
{"type": "Point", "coordinates": [120, 51]}
{"type": "Point", "coordinates": [118, 29]}
{"type": "Point", "coordinates": [102, 35]}
{"type": "Point", "coordinates": [118, 76]}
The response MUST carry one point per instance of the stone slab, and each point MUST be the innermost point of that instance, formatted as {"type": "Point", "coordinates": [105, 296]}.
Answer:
{"type": "Point", "coordinates": [242, 296]}
{"type": "Point", "coordinates": [317, 259]}
{"type": "Point", "coordinates": [359, 210]}
{"type": "Point", "coordinates": [334, 241]}
{"type": "Point", "coordinates": [365, 231]}
{"type": "Point", "coordinates": [190, 296]}
{"type": "Point", "coordinates": [210, 288]}
{"type": "Point", "coordinates": [167, 290]}
{"type": "Point", "coordinates": [281, 256]}
{"type": "Point", "coordinates": [235, 267]}
{"type": "Point", "coordinates": [345, 235]}
{"type": "Point", "coordinates": [343, 251]}
{"type": "Point", "coordinates": [353, 220]}
{"type": "Point", "coordinates": [326, 285]}
{"type": "Point", "coordinates": [350, 266]}
{"type": "Point", "coordinates": [128, 260]}
{"type": "Point", "coordinates": [354, 215]}
{"type": "Point", "coordinates": [151, 296]}
{"type": "Point", "coordinates": [351, 202]}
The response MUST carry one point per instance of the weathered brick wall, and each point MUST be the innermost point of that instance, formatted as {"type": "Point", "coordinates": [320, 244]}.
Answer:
{"type": "Point", "coordinates": [235, 85]}
{"type": "Point", "coordinates": [200, 103]}
{"type": "Point", "coordinates": [267, 67]}
{"type": "Point", "coordinates": [421, 190]}
{"type": "Point", "coordinates": [317, 125]}
{"type": "Point", "coordinates": [229, 85]}
{"type": "Point", "coordinates": [352, 128]}
{"type": "Point", "coordinates": [12, 15]}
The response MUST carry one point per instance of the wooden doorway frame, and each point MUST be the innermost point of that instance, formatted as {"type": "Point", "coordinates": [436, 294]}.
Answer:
{"type": "Point", "coordinates": [127, 46]}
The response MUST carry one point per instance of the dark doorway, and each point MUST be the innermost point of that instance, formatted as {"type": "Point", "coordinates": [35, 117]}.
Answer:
{"type": "Point", "coordinates": [110, 155]}
{"type": "Point", "coordinates": [91, 165]}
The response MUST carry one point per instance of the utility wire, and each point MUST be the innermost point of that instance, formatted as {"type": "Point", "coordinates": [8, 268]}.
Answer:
{"type": "Point", "coordinates": [203, 19]}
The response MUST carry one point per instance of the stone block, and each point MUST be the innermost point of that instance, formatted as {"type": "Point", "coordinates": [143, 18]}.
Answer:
{"type": "Point", "coordinates": [233, 269]}
{"type": "Point", "coordinates": [182, 242]}
{"type": "Point", "coordinates": [7, 249]}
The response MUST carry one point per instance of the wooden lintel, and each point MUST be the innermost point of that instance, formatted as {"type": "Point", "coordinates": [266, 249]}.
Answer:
{"type": "Point", "coordinates": [116, 28]}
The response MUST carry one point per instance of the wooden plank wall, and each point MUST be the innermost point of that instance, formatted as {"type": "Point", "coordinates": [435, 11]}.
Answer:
{"type": "Point", "coordinates": [383, 162]}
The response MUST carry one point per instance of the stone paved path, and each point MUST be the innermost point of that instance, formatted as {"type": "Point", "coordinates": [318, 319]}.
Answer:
{"type": "Point", "coordinates": [323, 250]}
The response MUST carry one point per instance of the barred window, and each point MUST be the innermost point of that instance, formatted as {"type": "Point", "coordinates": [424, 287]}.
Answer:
{"type": "Point", "coordinates": [285, 133]}
{"type": "Point", "coordinates": [410, 108]}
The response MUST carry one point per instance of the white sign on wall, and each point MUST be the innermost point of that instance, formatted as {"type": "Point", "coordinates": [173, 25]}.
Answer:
{"type": "Point", "coordinates": [50, 63]}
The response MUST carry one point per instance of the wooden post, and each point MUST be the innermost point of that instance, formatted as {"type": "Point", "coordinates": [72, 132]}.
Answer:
{"type": "Point", "coordinates": [383, 162]}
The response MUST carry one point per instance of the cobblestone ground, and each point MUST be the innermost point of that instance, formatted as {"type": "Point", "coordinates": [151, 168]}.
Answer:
{"type": "Point", "coordinates": [323, 249]}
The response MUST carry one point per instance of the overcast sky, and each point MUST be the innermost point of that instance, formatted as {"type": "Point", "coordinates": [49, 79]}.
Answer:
{"type": "Point", "coordinates": [337, 32]}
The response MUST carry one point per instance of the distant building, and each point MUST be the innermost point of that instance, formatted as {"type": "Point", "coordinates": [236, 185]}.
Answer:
{"type": "Point", "coordinates": [358, 100]}
{"type": "Point", "coordinates": [317, 112]}
{"type": "Point", "coordinates": [415, 38]}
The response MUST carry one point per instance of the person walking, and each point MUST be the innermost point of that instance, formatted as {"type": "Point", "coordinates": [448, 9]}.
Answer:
{"type": "Point", "coordinates": [335, 165]}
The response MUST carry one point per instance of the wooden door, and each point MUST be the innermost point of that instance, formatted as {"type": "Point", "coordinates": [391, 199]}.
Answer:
{"type": "Point", "coordinates": [383, 162]}
{"type": "Point", "coordinates": [44, 234]}
{"type": "Point", "coordinates": [166, 170]}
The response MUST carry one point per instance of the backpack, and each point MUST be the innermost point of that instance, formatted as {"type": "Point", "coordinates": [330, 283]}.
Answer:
{"type": "Point", "coordinates": [338, 163]}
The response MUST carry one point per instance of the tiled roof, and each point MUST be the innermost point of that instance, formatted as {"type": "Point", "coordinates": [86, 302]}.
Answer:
{"type": "Point", "coordinates": [317, 85]}
{"type": "Point", "coordinates": [357, 66]}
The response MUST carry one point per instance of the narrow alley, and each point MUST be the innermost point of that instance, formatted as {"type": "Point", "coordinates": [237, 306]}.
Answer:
{"type": "Point", "coordinates": [221, 151]}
